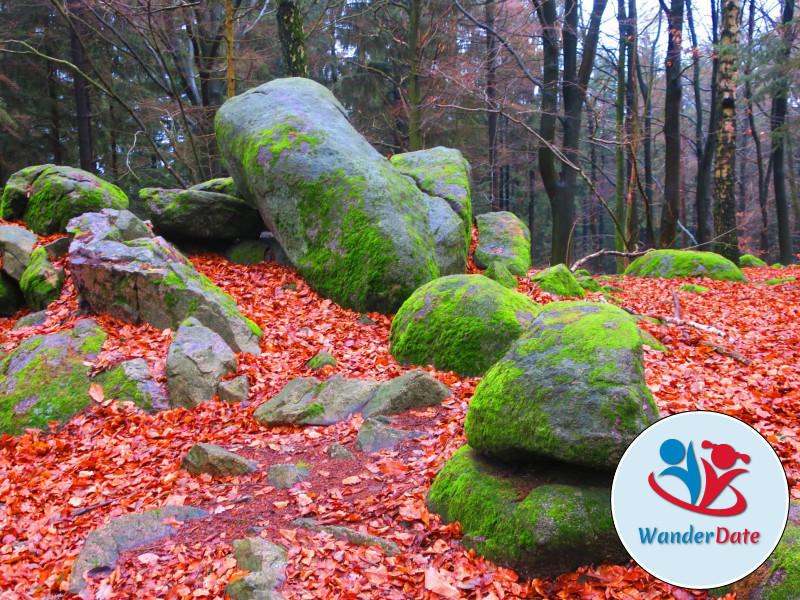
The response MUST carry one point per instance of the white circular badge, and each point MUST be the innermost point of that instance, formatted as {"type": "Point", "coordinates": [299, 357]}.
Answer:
{"type": "Point", "coordinates": [700, 499]}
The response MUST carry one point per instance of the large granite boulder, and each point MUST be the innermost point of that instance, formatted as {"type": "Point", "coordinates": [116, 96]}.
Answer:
{"type": "Point", "coordinates": [197, 361]}
{"type": "Point", "coordinates": [198, 214]}
{"type": "Point", "coordinates": [122, 269]}
{"type": "Point", "coordinates": [41, 282]}
{"type": "Point", "coordinates": [460, 323]}
{"type": "Point", "coordinates": [668, 264]}
{"type": "Point", "coordinates": [541, 520]}
{"type": "Point", "coordinates": [104, 545]}
{"type": "Point", "coordinates": [572, 389]}
{"type": "Point", "coordinates": [16, 247]}
{"type": "Point", "coordinates": [46, 197]}
{"type": "Point", "coordinates": [503, 238]}
{"type": "Point", "coordinates": [444, 173]}
{"type": "Point", "coordinates": [356, 228]}
{"type": "Point", "coordinates": [45, 378]}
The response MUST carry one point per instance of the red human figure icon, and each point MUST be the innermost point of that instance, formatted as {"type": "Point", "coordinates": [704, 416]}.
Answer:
{"type": "Point", "coordinates": [724, 457]}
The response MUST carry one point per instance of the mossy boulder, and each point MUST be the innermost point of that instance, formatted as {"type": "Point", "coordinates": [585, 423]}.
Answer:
{"type": "Point", "coordinates": [588, 283]}
{"type": "Point", "coordinates": [197, 361]}
{"type": "Point", "coordinates": [16, 248]}
{"type": "Point", "coordinates": [779, 577]}
{"type": "Point", "coordinates": [196, 214]}
{"type": "Point", "coordinates": [45, 379]}
{"type": "Point", "coordinates": [131, 381]}
{"type": "Point", "coordinates": [504, 238]}
{"type": "Point", "coordinates": [233, 390]}
{"type": "Point", "coordinates": [322, 359]}
{"type": "Point", "coordinates": [375, 435]}
{"type": "Point", "coordinates": [460, 323]}
{"type": "Point", "coordinates": [11, 299]}
{"type": "Point", "coordinates": [669, 264]}
{"type": "Point", "coordinates": [572, 388]}
{"type": "Point", "coordinates": [247, 252]}
{"type": "Point", "coordinates": [560, 281]}
{"type": "Point", "coordinates": [444, 173]}
{"type": "Point", "coordinates": [122, 269]}
{"type": "Point", "coordinates": [415, 389]}
{"type": "Point", "coordinates": [541, 520]}
{"type": "Point", "coordinates": [498, 272]}
{"type": "Point", "coordinates": [104, 545]}
{"type": "Point", "coordinates": [748, 260]}
{"type": "Point", "coordinates": [356, 228]}
{"type": "Point", "coordinates": [220, 185]}
{"type": "Point", "coordinates": [41, 282]}
{"type": "Point", "coordinates": [46, 197]}
{"type": "Point", "coordinates": [266, 563]}
{"type": "Point", "coordinates": [216, 460]}
{"type": "Point", "coordinates": [779, 281]}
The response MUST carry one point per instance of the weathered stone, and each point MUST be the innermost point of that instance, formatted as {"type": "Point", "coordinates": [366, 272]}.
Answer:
{"type": "Point", "coordinates": [234, 390]}
{"type": "Point", "coordinates": [104, 545]}
{"type": "Point", "coordinates": [247, 252]}
{"type": "Point", "coordinates": [266, 562]}
{"type": "Point", "coordinates": [200, 214]}
{"type": "Point", "coordinates": [669, 264]}
{"type": "Point", "coordinates": [286, 475]}
{"type": "Point", "coordinates": [355, 227]}
{"type": "Point", "coordinates": [498, 272]}
{"type": "Point", "coordinates": [131, 381]}
{"type": "Point", "coordinates": [353, 536]}
{"type": "Point", "coordinates": [45, 378]}
{"type": "Point", "coordinates": [504, 238]}
{"type": "Point", "coordinates": [320, 360]}
{"type": "Point", "coordinates": [11, 299]}
{"type": "Point", "coordinates": [58, 248]}
{"type": "Point", "coordinates": [571, 389]}
{"type": "Point", "coordinates": [748, 260]}
{"type": "Point", "coordinates": [288, 405]}
{"type": "Point", "coordinates": [541, 521]}
{"type": "Point", "coordinates": [448, 236]}
{"type": "Point", "coordinates": [41, 282]}
{"type": "Point", "coordinates": [460, 323]}
{"type": "Point", "coordinates": [560, 281]}
{"type": "Point", "coordinates": [31, 320]}
{"type": "Point", "coordinates": [339, 452]}
{"type": "Point", "coordinates": [216, 460]}
{"type": "Point", "coordinates": [46, 197]}
{"type": "Point", "coordinates": [121, 269]}
{"type": "Point", "coordinates": [415, 389]}
{"type": "Point", "coordinates": [16, 247]}
{"type": "Point", "coordinates": [220, 185]}
{"type": "Point", "coordinates": [375, 436]}
{"type": "Point", "coordinates": [197, 361]}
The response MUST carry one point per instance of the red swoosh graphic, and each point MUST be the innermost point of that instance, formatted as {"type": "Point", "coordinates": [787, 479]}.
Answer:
{"type": "Point", "coordinates": [736, 509]}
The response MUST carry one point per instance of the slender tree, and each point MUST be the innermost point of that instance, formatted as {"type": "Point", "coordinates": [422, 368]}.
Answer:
{"type": "Point", "coordinates": [293, 39]}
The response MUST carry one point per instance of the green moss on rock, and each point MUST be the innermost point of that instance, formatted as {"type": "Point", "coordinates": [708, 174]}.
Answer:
{"type": "Point", "coordinates": [668, 264]}
{"type": "Point", "coordinates": [460, 323]}
{"type": "Point", "coordinates": [779, 281]}
{"type": "Point", "coordinates": [694, 289]}
{"type": "Point", "coordinates": [41, 283]}
{"type": "Point", "coordinates": [498, 272]}
{"type": "Point", "coordinates": [503, 237]}
{"type": "Point", "coordinates": [560, 281]}
{"type": "Point", "coordinates": [748, 260]}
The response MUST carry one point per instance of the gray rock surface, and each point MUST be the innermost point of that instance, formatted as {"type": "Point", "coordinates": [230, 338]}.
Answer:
{"type": "Point", "coordinates": [104, 545]}
{"type": "Point", "coordinates": [266, 562]}
{"type": "Point", "coordinates": [339, 452]}
{"type": "Point", "coordinates": [197, 361]}
{"type": "Point", "coordinates": [121, 269]}
{"type": "Point", "coordinates": [415, 389]}
{"type": "Point", "coordinates": [375, 436]}
{"type": "Point", "coordinates": [41, 282]}
{"type": "Point", "coordinates": [320, 360]}
{"type": "Point", "coordinates": [504, 238]}
{"type": "Point", "coordinates": [16, 246]}
{"type": "Point", "coordinates": [286, 475]}
{"type": "Point", "coordinates": [234, 390]}
{"type": "Point", "coordinates": [31, 320]}
{"type": "Point", "coordinates": [216, 460]}
{"type": "Point", "coordinates": [131, 381]}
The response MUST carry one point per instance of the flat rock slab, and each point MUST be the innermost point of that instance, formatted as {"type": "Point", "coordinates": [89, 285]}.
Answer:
{"type": "Point", "coordinates": [16, 247]}
{"type": "Point", "coordinates": [571, 389]}
{"type": "Point", "coordinates": [121, 269]}
{"type": "Point", "coordinates": [104, 545]}
{"type": "Point", "coordinates": [216, 460]}
{"type": "Point", "coordinates": [286, 475]}
{"type": "Point", "coordinates": [46, 379]}
{"type": "Point", "coordinates": [46, 197]}
{"type": "Point", "coordinates": [266, 562]}
{"type": "Point", "coordinates": [541, 521]}
{"type": "Point", "coordinates": [197, 361]}
{"type": "Point", "coordinates": [351, 535]}
{"type": "Point", "coordinates": [375, 436]}
{"type": "Point", "coordinates": [503, 238]}
{"type": "Point", "coordinates": [415, 389]}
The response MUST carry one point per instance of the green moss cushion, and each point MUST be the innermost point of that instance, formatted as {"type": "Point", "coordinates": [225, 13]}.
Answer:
{"type": "Point", "coordinates": [560, 281]}
{"type": "Point", "coordinates": [41, 282]}
{"type": "Point", "coordinates": [460, 323]}
{"type": "Point", "coordinates": [572, 388]}
{"type": "Point", "coordinates": [46, 197]}
{"type": "Point", "coordinates": [503, 237]}
{"type": "Point", "coordinates": [748, 260]}
{"type": "Point", "coordinates": [510, 517]}
{"type": "Point", "coordinates": [669, 264]}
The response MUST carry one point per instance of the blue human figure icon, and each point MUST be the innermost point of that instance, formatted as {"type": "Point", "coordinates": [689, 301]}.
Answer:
{"type": "Point", "coordinates": [672, 453]}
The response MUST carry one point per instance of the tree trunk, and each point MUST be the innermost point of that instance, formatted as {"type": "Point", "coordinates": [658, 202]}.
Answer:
{"type": "Point", "coordinates": [230, 67]}
{"type": "Point", "coordinates": [672, 128]}
{"type": "Point", "coordinates": [777, 121]}
{"type": "Point", "coordinates": [55, 118]}
{"type": "Point", "coordinates": [82, 108]}
{"type": "Point", "coordinates": [646, 87]}
{"type": "Point", "coordinates": [293, 40]}
{"type": "Point", "coordinates": [632, 130]}
{"type": "Point", "coordinates": [414, 100]}
{"type": "Point", "coordinates": [491, 105]}
{"type": "Point", "coordinates": [620, 154]}
{"type": "Point", "coordinates": [725, 232]}
{"type": "Point", "coordinates": [792, 180]}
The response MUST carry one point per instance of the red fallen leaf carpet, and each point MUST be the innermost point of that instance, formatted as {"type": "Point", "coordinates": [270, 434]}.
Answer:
{"type": "Point", "coordinates": [57, 486]}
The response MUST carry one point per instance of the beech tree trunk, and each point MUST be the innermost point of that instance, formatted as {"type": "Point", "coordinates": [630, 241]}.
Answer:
{"type": "Point", "coordinates": [292, 38]}
{"type": "Point", "coordinates": [620, 154]}
{"type": "Point", "coordinates": [414, 98]}
{"type": "Point", "coordinates": [725, 232]}
{"type": "Point", "coordinates": [82, 107]}
{"type": "Point", "coordinates": [491, 105]}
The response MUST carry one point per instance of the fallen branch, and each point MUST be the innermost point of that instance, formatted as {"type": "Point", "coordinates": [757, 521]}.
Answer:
{"type": "Point", "coordinates": [737, 356]}
{"type": "Point", "coordinates": [607, 252]}
{"type": "Point", "coordinates": [677, 304]}
{"type": "Point", "coordinates": [85, 509]}
{"type": "Point", "coordinates": [671, 320]}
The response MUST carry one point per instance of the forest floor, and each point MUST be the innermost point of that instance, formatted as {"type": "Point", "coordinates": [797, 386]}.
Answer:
{"type": "Point", "coordinates": [57, 486]}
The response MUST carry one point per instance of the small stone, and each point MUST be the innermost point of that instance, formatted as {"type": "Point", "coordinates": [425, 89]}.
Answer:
{"type": "Point", "coordinates": [216, 460]}
{"type": "Point", "coordinates": [290, 286]}
{"type": "Point", "coordinates": [247, 252]}
{"type": "Point", "coordinates": [339, 452]}
{"type": "Point", "coordinates": [320, 360]}
{"type": "Point", "coordinates": [234, 390]}
{"type": "Point", "coordinates": [58, 248]}
{"type": "Point", "coordinates": [560, 281]}
{"type": "Point", "coordinates": [375, 436]}
{"type": "Point", "coordinates": [266, 562]}
{"type": "Point", "coordinates": [365, 320]}
{"type": "Point", "coordinates": [31, 320]}
{"type": "Point", "coordinates": [286, 475]}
